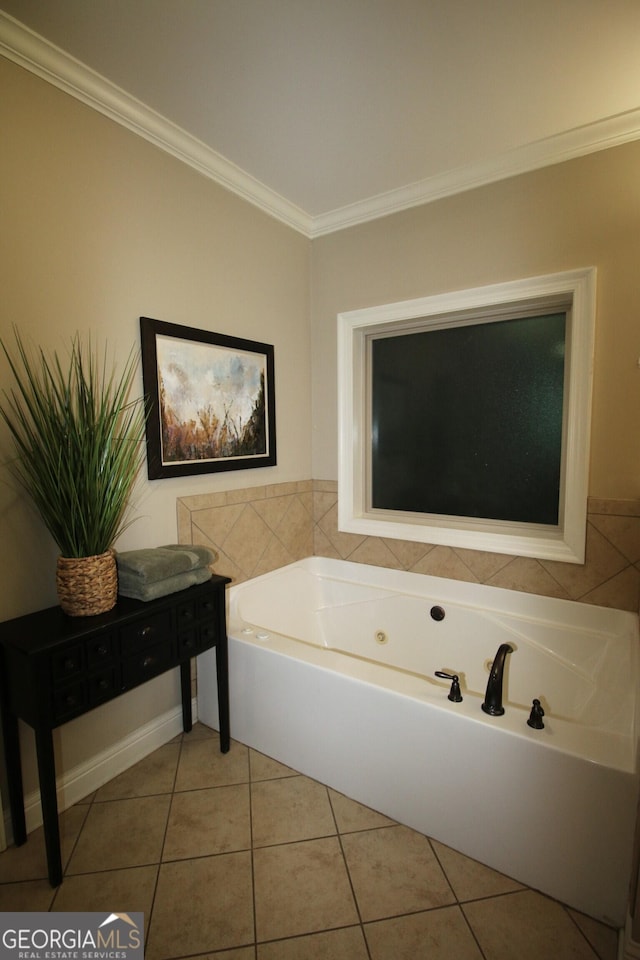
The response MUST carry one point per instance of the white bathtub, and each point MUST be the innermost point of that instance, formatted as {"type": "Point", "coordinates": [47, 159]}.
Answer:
{"type": "Point", "coordinates": [332, 672]}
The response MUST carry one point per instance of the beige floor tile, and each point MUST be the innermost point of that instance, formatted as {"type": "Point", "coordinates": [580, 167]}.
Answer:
{"type": "Point", "coordinates": [121, 833]}
{"type": "Point", "coordinates": [202, 765]}
{"type": "Point", "coordinates": [29, 862]}
{"type": "Point", "coordinates": [206, 822]}
{"type": "Point", "coordinates": [244, 953]}
{"type": "Point", "coordinates": [199, 731]}
{"type": "Point", "coordinates": [120, 891]}
{"type": "Point", "coordinates": [472, 880]}
{"type": "Point", "coordinates": [153, 775]}
{"type": "Point", "coordinates": [438, 934]}
{"type": "Point", "coordinates": [301, 888]}
{"type": "Point", "coordinates": [394, 871]}
{"type": "Point", "coordinates": [265, 768]}
{"type": "Point", "coordinates": [26, 895]}
{"type": "Point", "coordinates": [87, 799]}
{"type": "Point", "coordinates": [293, 808]}
{"type": "Point", "coordinates": [345, 944]}
{"type": "Point", "coordinates": [526, 926]}
{"type": "Point", "coordinates": [304, 900]}
{"type": "Point", "coordinates": [603, 939]}
{"type": "Point", "coordinates": [201, 906]}
{"type": "Point", "coordinates": [352, 816]}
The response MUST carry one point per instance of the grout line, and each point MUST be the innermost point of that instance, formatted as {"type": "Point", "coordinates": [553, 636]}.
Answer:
{"type": "Point", "coordinates": [164, 838]}
{"type": "Point", "coordinates": [567, 911]}
{"type": "Point", "coordinates": [253, 870]}
{"type": "Point", "coordinates": [346, 866]}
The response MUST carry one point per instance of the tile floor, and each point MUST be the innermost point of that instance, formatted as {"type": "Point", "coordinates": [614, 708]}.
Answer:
{"type": "Point", "coordinates": [237, 857]}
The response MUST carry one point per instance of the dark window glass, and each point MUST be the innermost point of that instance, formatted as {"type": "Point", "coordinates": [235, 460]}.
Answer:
{"type": "Point", "coordinates": [467, 420]}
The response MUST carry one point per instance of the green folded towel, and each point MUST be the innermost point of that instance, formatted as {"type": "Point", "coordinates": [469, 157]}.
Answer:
{"type": "Point", "coordinates": [140, 590]}
{"type": "Point", "coordinates": [152, 564]}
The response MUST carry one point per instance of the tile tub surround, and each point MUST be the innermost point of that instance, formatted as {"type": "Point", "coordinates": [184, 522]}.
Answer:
{"type": "Point", "coordinates": [238, 857]}
{"type": "Point", "coordinates": [258, 529]}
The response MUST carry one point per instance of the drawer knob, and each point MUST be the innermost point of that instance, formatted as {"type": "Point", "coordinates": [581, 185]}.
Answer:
{"type": "Point", "coordinates": [103, 650]}
{"type": "Point", "coordinates": [103, 684]}
{"type": "Point", "coordinates": [146, 632]}
{"type": "Point", "coordinates": [148, 661]}
{"type": "Point", "coordinates": [69, 664]}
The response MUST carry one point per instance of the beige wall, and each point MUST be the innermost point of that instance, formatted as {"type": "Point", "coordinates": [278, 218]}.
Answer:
{"type": "Point", "coordinates": [98, 227]}
{"type": "Point", "coordinates": [582, 213]}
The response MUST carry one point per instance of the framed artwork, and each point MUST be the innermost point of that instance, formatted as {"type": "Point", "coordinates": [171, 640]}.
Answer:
{"type": "Point", "coordinates": [211, 401]}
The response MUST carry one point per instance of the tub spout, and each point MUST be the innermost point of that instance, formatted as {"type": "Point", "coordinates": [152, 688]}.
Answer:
{"type": "Point", "coordinates": [493, 696]}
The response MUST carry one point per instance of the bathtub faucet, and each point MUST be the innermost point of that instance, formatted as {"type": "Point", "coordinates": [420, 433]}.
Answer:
{"type": "Point", "coordinates": [493, 696]}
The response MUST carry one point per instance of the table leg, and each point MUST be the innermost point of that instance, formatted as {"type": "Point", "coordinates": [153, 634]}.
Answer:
{"type": "Point", "coordinates": [49, 800]}
{"type": "Point", "coordinates": [185, 687]}
{"type": "Point", "coordinates": [14, 774]}
{"type": "Point", "coordinates": [222, 677]}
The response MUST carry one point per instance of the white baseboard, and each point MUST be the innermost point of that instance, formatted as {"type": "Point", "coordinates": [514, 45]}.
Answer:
{"type": "Point", "coordinates": [80, 781]}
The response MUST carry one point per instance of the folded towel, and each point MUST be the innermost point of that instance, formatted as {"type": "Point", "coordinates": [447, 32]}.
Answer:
{"type": "Point", "coordinates": [151, 564]}
{"type": "Point", "coordinates": [129, 586]}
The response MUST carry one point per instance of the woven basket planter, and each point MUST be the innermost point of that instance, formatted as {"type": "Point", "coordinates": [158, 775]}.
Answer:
{"type": "Point", "coordinates": [87, 585]}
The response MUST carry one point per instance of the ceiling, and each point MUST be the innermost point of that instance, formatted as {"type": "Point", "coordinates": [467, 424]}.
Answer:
{"type": "Point", "coordinates": [331, 112]}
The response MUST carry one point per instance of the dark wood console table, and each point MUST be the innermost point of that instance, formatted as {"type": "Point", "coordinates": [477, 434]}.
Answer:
{"type": "Point", "coordinates": [55, 667]}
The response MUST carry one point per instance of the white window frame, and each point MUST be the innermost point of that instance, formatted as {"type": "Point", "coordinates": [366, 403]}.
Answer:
{"type": "Point", "coordinates": [564, 541]}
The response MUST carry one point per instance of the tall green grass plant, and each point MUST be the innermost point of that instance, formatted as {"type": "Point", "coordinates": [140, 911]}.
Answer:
{"type": "Point", "coordinates": [78, 441]}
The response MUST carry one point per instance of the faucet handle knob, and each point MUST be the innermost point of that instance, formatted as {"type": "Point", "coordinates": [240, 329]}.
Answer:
{"type": "Point", "coordinates": [454, 694]}
{"type": "Point", "coordinates": [536, 715]}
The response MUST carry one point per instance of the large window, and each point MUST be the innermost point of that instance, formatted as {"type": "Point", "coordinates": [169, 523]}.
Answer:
{"type": "Point", "coordinates": [464, 417]}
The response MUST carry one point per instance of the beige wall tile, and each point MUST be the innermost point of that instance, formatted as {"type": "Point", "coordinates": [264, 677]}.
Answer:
{"type": "Point", "coordinates": [621, 531]}
{"type": "Point", "coordinates": [272, 510]}
{"type": "Point", "coordinates": [323, 503]}
{"type": "Point", "coordinates": [407, 552]}
{"type": "Point", "coordinates": [275, 555]}
{"type": "Point", "coordinates": [603, 561]}
{"type": "Point", "coordinates": [444, 562]}
{"type": "Point", "coordinates": [523, 573]}
{"type": "Point", "coordinates": [622, 592]}
{"type": "Point", "coordinates": [622, 508]}
{"type": "Point", "coordinates": [217, 522]}
{"type": "Point", "coordinates": [295, 529]}
{"type": "Point", "coordinates": [288, 521]}
{"type": "Point", "coordinates": [247, 540]}
{"type": "Point", "coordinates": [376, 552]}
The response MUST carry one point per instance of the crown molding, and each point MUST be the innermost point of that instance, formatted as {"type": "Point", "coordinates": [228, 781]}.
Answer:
{"type": "Point", "coordinates": [31, 51]}
{"type": "Point", "coordinates": [610, 132]}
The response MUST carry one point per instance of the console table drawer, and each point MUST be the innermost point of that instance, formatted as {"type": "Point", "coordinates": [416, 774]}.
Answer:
{"type": "Point", "coordinates": [103, 685]}
{"type": "Point", "coordinates": [147, 663]}
{"type": "Point", "coordinates": [100, 650]}
{"type": "Point", "coordinates": [188, 644]}
{"type": "Point", "coordinates": [206, 607]}
{"type": "Point", "coordinates": [186, 614]}
{"type": "Point", "coordinates": [69, 702]}
{"type": "Point", "coordinates": [145, 633]}
{"type": "Point", "coordinates": [208, 635]}
{"type": "Point", "coordinates": [67, 663]}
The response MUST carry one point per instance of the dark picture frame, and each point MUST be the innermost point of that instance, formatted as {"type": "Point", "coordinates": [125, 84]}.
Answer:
{"type": "Point", "coordinates": [210, 401]}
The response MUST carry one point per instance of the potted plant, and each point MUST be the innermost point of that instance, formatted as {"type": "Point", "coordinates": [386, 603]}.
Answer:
{"type": "Point", "coordinates": [78, 444]}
